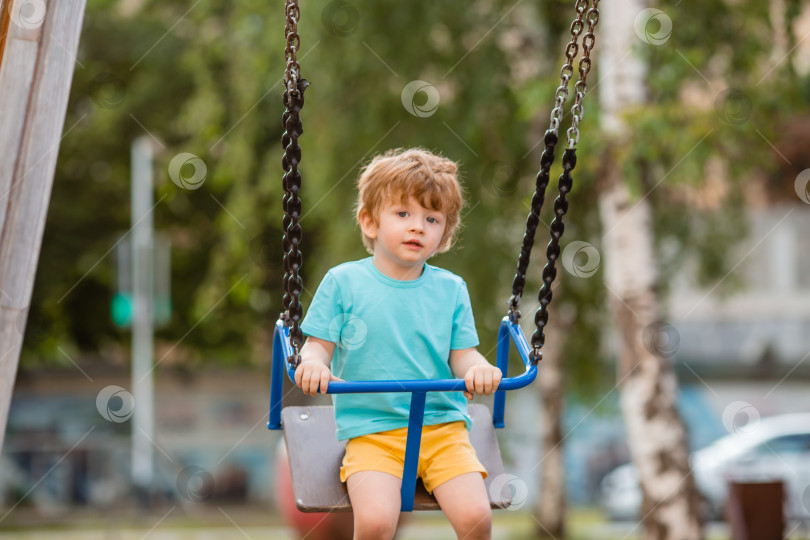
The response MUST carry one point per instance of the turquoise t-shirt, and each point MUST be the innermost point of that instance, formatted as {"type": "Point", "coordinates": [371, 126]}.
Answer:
{"type": "Point", "coordinates": [385, 329]}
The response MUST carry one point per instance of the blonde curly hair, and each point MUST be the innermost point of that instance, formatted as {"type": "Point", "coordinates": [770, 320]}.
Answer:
{"type": "Point", "coordinates": [400, 174]}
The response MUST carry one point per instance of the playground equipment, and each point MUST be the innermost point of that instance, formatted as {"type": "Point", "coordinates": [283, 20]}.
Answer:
{"type": "Point", "coordinates": [37, 55]}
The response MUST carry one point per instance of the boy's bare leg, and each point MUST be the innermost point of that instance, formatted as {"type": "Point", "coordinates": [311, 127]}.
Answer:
{"type": "Point", "coordinates": [376, 502]}
{"type": "Point", "coordinates": [465, 502]}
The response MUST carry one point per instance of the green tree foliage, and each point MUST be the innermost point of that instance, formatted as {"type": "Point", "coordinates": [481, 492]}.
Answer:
{"type": "Point", "coordinates": [717, 95]}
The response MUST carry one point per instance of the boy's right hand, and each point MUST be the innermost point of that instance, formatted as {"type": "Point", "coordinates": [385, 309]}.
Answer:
{"type": "Point", "coordinates": [311, 376]}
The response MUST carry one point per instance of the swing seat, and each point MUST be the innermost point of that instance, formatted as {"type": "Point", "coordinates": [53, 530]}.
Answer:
{"type": "Point", "coordinates": [316, 455]}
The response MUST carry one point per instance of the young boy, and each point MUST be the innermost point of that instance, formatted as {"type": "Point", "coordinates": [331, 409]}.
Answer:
{"type": "Point", "coordinates": [392, 316]}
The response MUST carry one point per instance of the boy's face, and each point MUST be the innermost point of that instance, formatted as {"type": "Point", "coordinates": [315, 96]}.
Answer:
{"type": "Point", "coordinates": [405, 236]}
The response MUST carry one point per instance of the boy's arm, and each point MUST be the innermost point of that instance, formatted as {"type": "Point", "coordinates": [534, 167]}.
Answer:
{"type": "Point", "coordinates": [480, 376]}
{"type": "Point", "coordinates": [313, 371]}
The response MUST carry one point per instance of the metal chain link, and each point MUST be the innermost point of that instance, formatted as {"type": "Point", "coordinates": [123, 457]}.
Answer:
{"type": "Point", "coordinates": [292, 283]}
{"type": "Point", "coordinates": [293, 68]}
{"type": "Point", "coordinates": [546, 160]}
{"type": "Point", "coordinates": [565, 184]}
{"type": "Point", "coordinates": [532, 221]}
{"type": "Point", "coordinates": [588, 41]}
{"type": "Point", "coordinates": [561, 95]}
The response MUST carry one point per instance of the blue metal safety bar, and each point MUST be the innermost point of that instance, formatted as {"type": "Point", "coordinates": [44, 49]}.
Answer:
{"type": "Point", "coordinates": [508, 331]}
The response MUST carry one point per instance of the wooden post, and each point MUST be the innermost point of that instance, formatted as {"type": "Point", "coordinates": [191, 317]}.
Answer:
{"type": "Point", "coordinates": [36, 68]}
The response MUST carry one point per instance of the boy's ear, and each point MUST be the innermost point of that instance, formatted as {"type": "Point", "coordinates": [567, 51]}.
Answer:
{"type": "Point", "coordinates": [368, 225]}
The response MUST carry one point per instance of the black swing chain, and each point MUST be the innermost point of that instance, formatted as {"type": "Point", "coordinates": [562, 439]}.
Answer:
{"type": "Point", "coordinates": [546, 160]}
{"type": "Point", "coordinates": [292, 283]}
{"type": "Point", "coordinates": [565, 184]}
{"type": "Point", "coordinates": [565, 181]}
{"type": "Point", "coordinates": [584, 66]}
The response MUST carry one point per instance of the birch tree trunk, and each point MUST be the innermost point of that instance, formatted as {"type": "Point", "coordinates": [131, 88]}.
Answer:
{"type": "Point", "coordinates": [551, 506]}
{"type": "Point", "coordinates": [656, 434]}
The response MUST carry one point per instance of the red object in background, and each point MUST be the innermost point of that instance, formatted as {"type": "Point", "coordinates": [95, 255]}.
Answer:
{"type": "Point", "coordinates": [313, 526]}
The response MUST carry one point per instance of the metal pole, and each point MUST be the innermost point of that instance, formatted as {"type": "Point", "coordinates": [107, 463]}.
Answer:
{"type": "Point", "coordinates": [143, 418]}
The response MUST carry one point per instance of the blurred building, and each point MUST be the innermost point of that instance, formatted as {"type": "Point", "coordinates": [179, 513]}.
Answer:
{"type": "Point", "coordinates": [67, 444]}
{"type": "Point", "coordinates": [761, 329]}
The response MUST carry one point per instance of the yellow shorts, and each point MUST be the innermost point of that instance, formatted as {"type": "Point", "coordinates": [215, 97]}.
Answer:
{"type": "Point", "coordinates": [445, 453]}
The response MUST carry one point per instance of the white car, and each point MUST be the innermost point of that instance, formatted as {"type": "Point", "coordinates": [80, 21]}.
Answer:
{"type": "Point", "coordinates": [774, 448]}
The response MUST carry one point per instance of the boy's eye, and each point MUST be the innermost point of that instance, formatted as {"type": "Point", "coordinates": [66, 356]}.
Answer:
{"type": "Point", "coordinates": [432, 219]}
{"type": "Point", "coordinates": [402, 213]}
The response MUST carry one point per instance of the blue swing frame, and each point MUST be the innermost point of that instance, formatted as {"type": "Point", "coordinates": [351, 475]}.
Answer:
{"type": "Point", "coordinates": [508, 331]}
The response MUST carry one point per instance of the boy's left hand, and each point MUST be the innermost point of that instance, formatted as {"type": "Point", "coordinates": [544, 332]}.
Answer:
{"type": "Point", "coordinates": [482, 379]}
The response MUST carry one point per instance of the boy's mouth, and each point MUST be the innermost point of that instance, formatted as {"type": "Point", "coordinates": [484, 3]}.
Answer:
{"type": "Point", "coordinates": [413, 243]}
